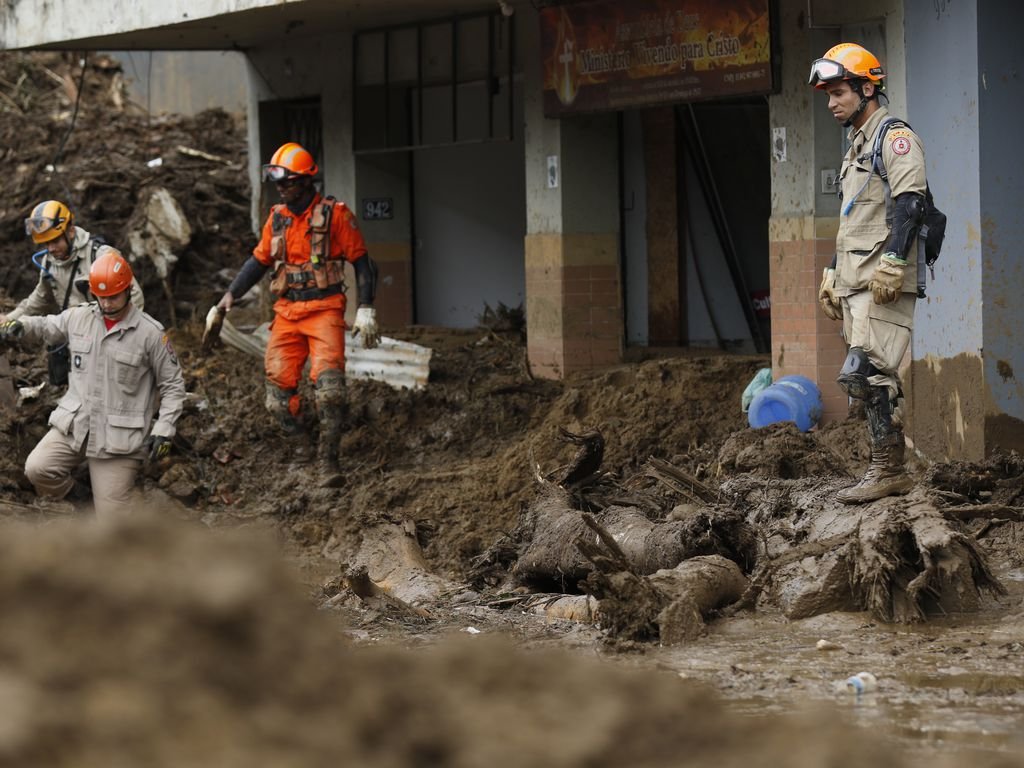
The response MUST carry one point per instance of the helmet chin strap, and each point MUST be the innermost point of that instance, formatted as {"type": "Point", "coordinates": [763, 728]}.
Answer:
{"type": "Point", "coordinates": [115, 312]}
{"type": "Point", "coordinates": [860, 107]}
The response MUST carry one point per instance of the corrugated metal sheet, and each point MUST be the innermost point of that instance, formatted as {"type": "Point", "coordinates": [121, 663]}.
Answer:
{"type": "Point", "coordinates": [401, 364]}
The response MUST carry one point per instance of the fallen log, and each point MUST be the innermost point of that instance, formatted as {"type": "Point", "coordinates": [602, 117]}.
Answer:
{"type": "Point", "coordinates": [551, 526]}
{"type": "Point", "coordinates": [371, 593]}
{"type": "Point", "coordinates": [898, 558]}
{"type": "Point", "coordinates": [393, 561]}
{"type": "Point", "coordinates": [907, 565]}
{"type": "Point", "coordinates": [995, 511]}
{"type": "Point", "coordinates": [669, 605]}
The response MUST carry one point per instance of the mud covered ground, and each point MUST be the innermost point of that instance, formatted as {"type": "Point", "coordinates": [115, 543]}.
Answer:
{"type": "Point", "coordinates": [216, 628]}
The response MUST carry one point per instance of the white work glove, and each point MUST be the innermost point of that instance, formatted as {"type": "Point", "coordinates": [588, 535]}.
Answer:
{"type": "Point", "coordinates": [366, 325]}
{"type": "Point", "coordinates": [827, 295]}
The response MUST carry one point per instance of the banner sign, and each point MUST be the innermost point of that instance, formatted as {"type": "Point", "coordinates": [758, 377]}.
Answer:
{"type": "Point", "coordinates": [607, 55]}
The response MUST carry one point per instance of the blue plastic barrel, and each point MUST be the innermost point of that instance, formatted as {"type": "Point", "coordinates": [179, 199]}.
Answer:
{"type": "Point", "coordinates": [791, 398]}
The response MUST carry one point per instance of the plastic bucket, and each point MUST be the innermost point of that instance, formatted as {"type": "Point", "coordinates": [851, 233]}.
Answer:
{"type": "Point", "coordinates": [791, 398]}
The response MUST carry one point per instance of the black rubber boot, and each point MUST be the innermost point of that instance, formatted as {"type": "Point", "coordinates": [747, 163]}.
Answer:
{"type": "Point", "coordinates": [330, 438]}
{"type": "Point", "coordinates": [886, 475]}
{"type": "Point", "coordinates": [330, 405]}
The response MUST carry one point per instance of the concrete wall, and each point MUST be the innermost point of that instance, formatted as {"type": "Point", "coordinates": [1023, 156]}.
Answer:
{"type": "Point", "coordinates": [180, 82]}
{"type": "Point", "coordinates": [33, 24]}
{"type": "Point", "coordinates": [968, 349]}
{"type": "Point", "coordinates": [949, 330]}
{"type": "Point", "coordinates": [470, 225]}
{"type": "Point", "coordinates": [1001, 187]}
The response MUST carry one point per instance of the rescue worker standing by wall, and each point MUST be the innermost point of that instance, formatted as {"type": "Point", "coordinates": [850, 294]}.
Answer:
{"type": "Point", "coordinates": [871, 286]}
{"type": "Point", "coordinates": [306, 240]}
{"type": "Point", "coordinates": [121, 361]}
{"type": "Point", "coordinates": [70, 250]}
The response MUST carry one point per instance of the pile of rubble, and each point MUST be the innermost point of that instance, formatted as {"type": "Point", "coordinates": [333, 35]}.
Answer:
{"type": "Point", "coordinates": [69, 132]}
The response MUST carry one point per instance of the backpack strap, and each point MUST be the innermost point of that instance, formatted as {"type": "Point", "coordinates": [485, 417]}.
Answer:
{"type": "Point", "coordinates": [878, 166]}
{"type": "Point", "coordinates": [95, 241]}
{"type": "Point", "coordinates": [876, 150]}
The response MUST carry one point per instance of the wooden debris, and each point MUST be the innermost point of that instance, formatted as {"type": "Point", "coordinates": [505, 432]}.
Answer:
{"type": "Point", "coordinates": [359, 581]}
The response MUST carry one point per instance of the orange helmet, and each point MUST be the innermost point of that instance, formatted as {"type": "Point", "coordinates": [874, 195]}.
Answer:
{"type": "Point", "coordinates": [49, 220]}
{"type": "Point", "coordinates": [289, 161]}
{"type": "Point", "coordinates": [846, 61]}
{"type": "Point", "coordinates": [110, 273]}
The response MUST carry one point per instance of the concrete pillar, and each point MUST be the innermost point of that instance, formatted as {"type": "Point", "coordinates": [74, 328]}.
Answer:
{"type": "Point", "coordinates": [666, 293]}
{"type": "Point", "coordinates": [967, 392]}
{"type": "Point", "coordinates": [573, 287]}
{"type": "Point", "coordinates": [804, 222]}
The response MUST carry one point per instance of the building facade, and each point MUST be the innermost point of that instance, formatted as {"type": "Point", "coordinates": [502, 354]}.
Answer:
{"type": "Point", "coordinates": [661, 212]}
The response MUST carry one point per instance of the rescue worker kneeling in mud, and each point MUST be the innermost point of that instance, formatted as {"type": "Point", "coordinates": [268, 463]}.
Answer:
{"type": "Point", "coordinates": [121, 364]}
{"type": "Point", "coordinates": [306, 240]}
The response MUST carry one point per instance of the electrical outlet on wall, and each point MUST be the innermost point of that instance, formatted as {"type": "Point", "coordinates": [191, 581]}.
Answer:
{"type": "Point", "coordinates": [829, 181]}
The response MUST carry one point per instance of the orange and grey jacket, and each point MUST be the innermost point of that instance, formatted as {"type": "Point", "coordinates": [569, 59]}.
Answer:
{"type": "Point", "coordinates": [308, 252]}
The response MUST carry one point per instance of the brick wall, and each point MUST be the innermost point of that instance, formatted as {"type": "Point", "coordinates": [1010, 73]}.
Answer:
{"type": "Point", "coordinates": [574, 303]}
{"type": "Point", "coordinates": [804, 341]}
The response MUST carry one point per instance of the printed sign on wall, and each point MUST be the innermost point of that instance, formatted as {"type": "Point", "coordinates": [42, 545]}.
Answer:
{"type": "Point", "coordinates": [610, 55]}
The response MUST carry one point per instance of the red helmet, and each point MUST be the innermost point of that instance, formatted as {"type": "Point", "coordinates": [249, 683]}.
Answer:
{"type": "Point", "coordinates": [846, 61]}
{"type": "Point", "coordinates": [110, 274]}
{"type": "Point", "coordinates": [289, 161]}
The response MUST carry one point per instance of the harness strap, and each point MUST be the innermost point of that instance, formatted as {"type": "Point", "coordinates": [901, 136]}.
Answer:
{"type": "Point", "coordinates": [308, 294]}
{"type": "Point", "coordinates": [320, 276]}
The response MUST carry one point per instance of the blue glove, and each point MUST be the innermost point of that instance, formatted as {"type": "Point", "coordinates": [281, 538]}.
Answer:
{"type": "Point", "coordinates": [158, 447]}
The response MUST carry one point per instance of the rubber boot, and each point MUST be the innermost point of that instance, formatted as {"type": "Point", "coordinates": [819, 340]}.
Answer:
{"type": "Point", "coordinates": [297, 444]}
{"type": "Point", "coordinates": [886, 475]}
{"type": "Point", "coordinates": [328, 466]}
{"type": "Point", "coordinates": [330, 405]}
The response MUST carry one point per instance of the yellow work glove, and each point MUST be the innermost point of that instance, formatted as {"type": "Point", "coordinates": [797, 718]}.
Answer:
{"type": "Point", "coordinates": [827, 295]}
{"type": "Point", "coordinates": [887, 282]}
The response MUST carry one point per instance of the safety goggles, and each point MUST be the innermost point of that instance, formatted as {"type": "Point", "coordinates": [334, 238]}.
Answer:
{"type": "Point", "coordinates": [276, 173]}
{"type": "Point", "coordinates": [38, 225]}
{"type": "Point", "coordinates": [826, 70]}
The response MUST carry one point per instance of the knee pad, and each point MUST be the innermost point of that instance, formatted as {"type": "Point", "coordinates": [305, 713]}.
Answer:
{"type": "Point", "coordinates": [853, 378]}
{"type": "Point", "coordinates": [330, 387]}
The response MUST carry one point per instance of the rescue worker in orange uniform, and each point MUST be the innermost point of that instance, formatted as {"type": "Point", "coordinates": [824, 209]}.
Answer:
{"type": "Point", "coordinates": [305, 241]}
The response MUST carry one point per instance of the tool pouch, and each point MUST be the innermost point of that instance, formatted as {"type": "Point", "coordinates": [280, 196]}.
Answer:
{"type": "Point", "coordinates": [58, 363]}
{"type": "Point", "coordinates": [279, 279]}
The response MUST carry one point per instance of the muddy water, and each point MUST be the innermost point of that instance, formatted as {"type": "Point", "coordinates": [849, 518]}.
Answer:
{"type": "Point", "coordinates": [955, 684]}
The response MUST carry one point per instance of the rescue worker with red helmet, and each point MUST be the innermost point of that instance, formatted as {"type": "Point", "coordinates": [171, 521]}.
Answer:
{"type": "Point", "coordinates": [306, 240]}
{"type": "Point", "coordinates": [64, 273]}
{"type": "Point", "coordinates": [123, 372]}
{"type": "Point", "coordinates": [872, 285]}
